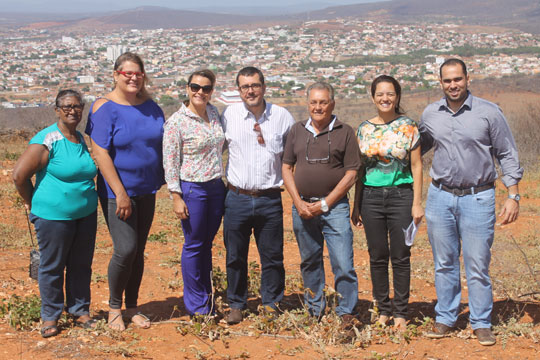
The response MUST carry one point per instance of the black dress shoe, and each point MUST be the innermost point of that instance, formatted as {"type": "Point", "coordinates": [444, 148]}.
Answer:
{"type": "Point", "coordinates": [234, 317]}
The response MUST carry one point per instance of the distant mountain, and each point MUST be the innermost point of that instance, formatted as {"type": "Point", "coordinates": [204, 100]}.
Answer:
{"type": "Point", "coordinates": [518, 14]}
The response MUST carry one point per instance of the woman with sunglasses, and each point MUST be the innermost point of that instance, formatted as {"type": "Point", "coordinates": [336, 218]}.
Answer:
{"type": "Point", "coordinates": [62, 208]}
{"type": "Point", "coordinates": [389, 196]}
{"type": "Point", "coordinates": [126, 130]}
{"type": "Point", "coordinates": [192, 158]}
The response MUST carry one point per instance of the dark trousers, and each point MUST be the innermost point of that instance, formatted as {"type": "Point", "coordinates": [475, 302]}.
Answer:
{"type": "Point", "coordinates": [129, 240]}
{"type": "Point", "coordinates": [385, 212]}
{"type": "Point", "coordinates": [65, 245]}
{"type": "Point", "coordinates": [205, 203]}
{"type": "Point", "coordinates": [263, 216]}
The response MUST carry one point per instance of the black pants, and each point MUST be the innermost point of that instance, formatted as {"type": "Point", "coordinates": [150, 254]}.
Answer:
{"type": "Point", "coordinates": [385, 212]}
{"type": "Point", "coordinates": [129, 240]}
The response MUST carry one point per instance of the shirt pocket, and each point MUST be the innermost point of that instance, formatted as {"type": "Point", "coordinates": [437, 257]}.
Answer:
{"type": "Point", "coordinates": [275, 143]}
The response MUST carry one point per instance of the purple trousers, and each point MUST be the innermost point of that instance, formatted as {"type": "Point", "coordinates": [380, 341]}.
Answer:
{"type": "Point", "coordinates": [205, 203]}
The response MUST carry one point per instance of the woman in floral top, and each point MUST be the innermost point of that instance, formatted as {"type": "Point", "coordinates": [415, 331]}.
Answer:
{"type": "Point", "coordinates": [192, 148]}
{"type": "Point", "coordinates": [389, 196]}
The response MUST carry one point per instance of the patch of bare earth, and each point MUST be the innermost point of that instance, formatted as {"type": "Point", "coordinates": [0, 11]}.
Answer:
{"type": "Point", "coordinates": [516, 316]}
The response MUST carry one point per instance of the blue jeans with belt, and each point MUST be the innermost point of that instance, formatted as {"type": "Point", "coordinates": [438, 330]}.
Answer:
{"type": "Point", "coordinates": [262, 215]}
{"type": "Point", "coordinates": [65, 245]}
{"type": "Point", "coordinates": [204, 201]}
{"type": "Point", "coordinates": [335, 227]}
{"type": "Point", "coordinates": [455, 223]}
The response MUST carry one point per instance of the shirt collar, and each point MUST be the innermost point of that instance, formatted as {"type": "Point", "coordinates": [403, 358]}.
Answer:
{"type": "Point", "coordinates": [311, 129]}
{"type": "Point", "coordinates": [265, 115]}
{"type": "Point", "coordinates": [443, 104]}
{"type": "Point", "coordinates": [187, 111]}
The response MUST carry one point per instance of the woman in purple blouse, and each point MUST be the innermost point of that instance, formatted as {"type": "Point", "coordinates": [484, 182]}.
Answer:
{"type": "Point", "coordinates": [192, 148]}
{"type": "Point", "coordinates": [126, 131]}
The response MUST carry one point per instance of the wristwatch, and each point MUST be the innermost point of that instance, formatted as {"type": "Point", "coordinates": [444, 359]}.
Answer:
{"type": "Point", "coordinates": [324, 205]}
{"type": "Point", "coordinates": [516, 197]}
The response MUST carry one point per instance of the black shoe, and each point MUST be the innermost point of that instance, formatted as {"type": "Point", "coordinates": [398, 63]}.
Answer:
{"type": "Point", "coordinates": [439, 331]}
{"type": "Point", "coordinates": [235, 316]}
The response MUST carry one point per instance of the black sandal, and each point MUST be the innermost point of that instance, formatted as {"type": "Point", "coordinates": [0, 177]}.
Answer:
{"type": "Point", "coordinates": [45, 333]}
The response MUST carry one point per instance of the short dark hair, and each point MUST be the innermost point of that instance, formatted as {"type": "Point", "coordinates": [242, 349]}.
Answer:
{"type": "Point", "coordinates": [250, 71]}
{"type": "Point", "coordinates": [453, 61]}
{"type": "Point", "coordinates": [397, 88]}
{"type": "Point", "coordinates": [321, 85]}
{"type": "Point", "coordinates": [67, 93]}
{"type": "Point", "coordinates": [206, 73]}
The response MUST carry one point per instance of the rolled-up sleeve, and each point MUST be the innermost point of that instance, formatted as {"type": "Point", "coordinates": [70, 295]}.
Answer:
{"type": "Point", "coordinates": [505, 149]}
{"type": "Point", "coordinates": [172, 153]}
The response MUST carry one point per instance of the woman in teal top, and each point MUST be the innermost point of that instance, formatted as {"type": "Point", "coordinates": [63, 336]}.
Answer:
{"type": "Point", "coordinates": [62, 208]}
{"type": "Point", "coordinates": [389, 196]}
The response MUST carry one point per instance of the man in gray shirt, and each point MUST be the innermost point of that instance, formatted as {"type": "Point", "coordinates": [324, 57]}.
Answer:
{"type": "Point", "coordinates": [466, 133]}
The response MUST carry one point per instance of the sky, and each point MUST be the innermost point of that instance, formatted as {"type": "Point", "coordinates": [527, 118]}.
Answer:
{"type": "Point", "coordinates": [79, 6]}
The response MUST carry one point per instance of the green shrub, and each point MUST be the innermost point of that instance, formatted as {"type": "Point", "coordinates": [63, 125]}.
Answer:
{"type": "Point", "coordinates": [21, 312]}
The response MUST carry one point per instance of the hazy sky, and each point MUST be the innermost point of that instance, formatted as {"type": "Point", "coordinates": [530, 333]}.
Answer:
{"type": "Point", "coordinates": [63, 6]}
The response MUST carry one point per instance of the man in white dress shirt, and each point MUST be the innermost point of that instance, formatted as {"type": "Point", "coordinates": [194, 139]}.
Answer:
{"type": "Point", "coordinates": [255, 131]}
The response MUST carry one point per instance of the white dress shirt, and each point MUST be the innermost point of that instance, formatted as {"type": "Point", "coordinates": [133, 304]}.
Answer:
{"type": "Point", "coordinates": [254, 166]}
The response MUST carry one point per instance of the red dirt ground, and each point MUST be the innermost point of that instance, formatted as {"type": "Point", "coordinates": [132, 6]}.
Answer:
{"type": "Point", "coordinates": [161, 299]}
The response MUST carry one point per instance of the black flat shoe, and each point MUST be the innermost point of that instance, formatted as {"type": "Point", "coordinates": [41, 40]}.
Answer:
{"type": "Point", "coordinates": [89, 324]}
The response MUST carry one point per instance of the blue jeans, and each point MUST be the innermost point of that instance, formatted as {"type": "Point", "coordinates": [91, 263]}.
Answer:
{"type": "Point", "coordinates": [205, 202]}
{"type": "Point", "coordinates": [263, 216]}
{"type": "Point", "coordinates": [454, 222]}
{"type": "Point", "coordinates": [335, 227]}
{"type": "Point", "coordinates": [129, 237]}
{"type": "Point", "coordinates": [69, 245]}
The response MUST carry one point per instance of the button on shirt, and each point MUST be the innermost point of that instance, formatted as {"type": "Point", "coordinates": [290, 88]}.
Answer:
{"type": "Point", "coordinates": [192, 148]}
{"type": "Point", "coordinates": [254, 166]}
{"type": "Point", "coordinates": [466, 141]}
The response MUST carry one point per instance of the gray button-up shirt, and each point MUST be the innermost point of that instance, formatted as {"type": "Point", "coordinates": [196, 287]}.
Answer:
{"type": "Point", "coordinates": [466, 141]}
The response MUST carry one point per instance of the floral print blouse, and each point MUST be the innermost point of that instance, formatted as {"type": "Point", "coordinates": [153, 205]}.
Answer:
{"type": "Point", "coordinates": [385, 150]}
{"type": "Point", "coordinates": [192, 148]}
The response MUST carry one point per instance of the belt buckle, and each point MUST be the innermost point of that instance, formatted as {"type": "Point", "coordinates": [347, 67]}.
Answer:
{"type": "Point", "coordinates": [459, 192]}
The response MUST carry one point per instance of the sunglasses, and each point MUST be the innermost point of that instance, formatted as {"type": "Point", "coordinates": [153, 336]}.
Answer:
{"type": "Point", "coordinates": [207, 89]}
{"type": "Point", "coordinates": [324, 160]}
{"type": "Point", "coordinates": [131, 74]}
{"type": "Point", "coordinates": [257, 129]}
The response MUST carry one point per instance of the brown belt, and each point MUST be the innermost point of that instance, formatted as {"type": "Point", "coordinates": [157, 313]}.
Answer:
{"type": "Point", "coordinates": [466, 191]}
{"type": "Point", "coordinates": [255, 193]}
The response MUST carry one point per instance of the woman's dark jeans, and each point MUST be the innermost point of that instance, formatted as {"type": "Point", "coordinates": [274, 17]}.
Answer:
{"type": "Point", "coordinates": [129, 240]}
{"type": "Point", "coordinates": [65, 245]}
{"type": "Point", "coordinates": [385, 212]}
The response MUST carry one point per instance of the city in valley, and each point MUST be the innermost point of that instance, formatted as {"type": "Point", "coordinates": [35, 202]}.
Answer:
{"type": "Point", "coordinates": [36, 61]}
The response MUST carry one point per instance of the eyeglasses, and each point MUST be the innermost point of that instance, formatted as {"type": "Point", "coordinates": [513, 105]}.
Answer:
{"type": "Point", "coordinates": [254, 87]}
{"type": "Point", "coordinates": [131, 74]}
{"type": "Point", "coordinates": [257, 129]}
{"type": "Point", "coordinates": [67, 108]}
{"type": "Point", "coordinates": [207, 89]}
{"type": "Point", "coordinates": [325, 160]}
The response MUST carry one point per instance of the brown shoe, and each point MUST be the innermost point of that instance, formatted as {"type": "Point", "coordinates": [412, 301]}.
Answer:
{"type": "Point", "coordinates": [438, 331]}
{"type": "Point", "coordinates": [234, 317]}
{"type": "Point", "coordinates": [348, 321]}
{"type": "Point", "coordinates": [485, 337]}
